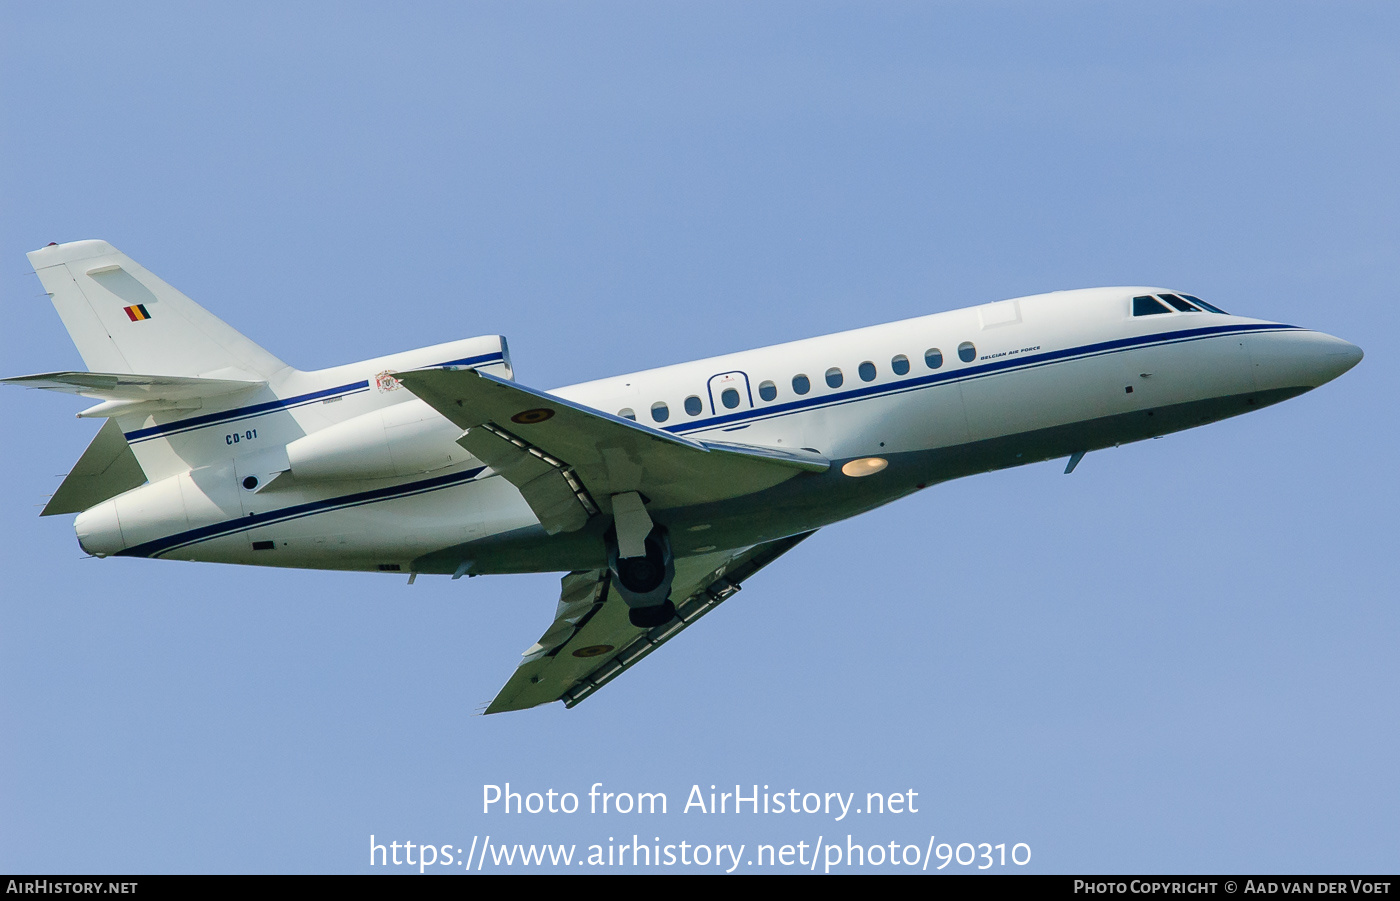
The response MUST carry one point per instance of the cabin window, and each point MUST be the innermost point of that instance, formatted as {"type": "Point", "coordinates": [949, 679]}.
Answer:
{"type": "Point", "coordinates": [800, 384]}
{"type": "Point", "coordinates": [867, 371]}
{"type": "Point", "coordinates": [730, 398]}
{"type": "Point", "coordinates": [900, 365]}
{"type": "Point", "coordinates": [767, 390]}
{"type": "Point", "coordinates": [1147, 305]}
{"type": "Point", "coordinates": [693, 406]}
{"type": "Point", "coordinates": [834, 378]}
{"type": "Point", "coordinates": [628, 413]}
{"type": "Point", "coordinates": [1201, 303]}
{"type": "Point", "coordinates": [933, 358]}
{"type": "Point", "coordinates": [660, 412]}
{"type": "Point", "coordinates": [967, 352]}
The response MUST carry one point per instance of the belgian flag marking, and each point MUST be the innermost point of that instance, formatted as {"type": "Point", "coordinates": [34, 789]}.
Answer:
{"type": "Point", "coordinates": [137, 313]}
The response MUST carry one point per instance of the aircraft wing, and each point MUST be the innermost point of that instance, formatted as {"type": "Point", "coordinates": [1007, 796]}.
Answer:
{"type": "Point", "coordinates": [568, 460]}
{"type": "Point", "coordinates": [591, 642]}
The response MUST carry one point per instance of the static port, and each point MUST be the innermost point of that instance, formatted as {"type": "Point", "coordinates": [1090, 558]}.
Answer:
{"type": "Point", "coordinates": [250, 482]}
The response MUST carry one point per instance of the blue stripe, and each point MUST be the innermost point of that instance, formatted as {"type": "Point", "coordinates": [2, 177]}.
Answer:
{"type": "Point", "coordinates": [165, 545]}
{"type": "Point", "coordinates": [273, 406]}
{"type": "Point", "coordinates": [838, 398]}
{"type": "Point", "coordinates": [169, 543]}
{"type": "Point", "coordinates": [496, 357]}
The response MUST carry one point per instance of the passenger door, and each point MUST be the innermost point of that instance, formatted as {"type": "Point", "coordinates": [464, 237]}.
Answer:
{"type": "Point", "coordinates": [729, 393]}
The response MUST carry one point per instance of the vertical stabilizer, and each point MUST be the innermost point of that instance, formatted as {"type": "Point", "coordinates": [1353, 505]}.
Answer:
{"type": "Point", "coordinates": [124, 319]}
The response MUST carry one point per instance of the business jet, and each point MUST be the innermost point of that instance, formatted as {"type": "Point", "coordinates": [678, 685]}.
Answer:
{"type": "Point", "coordinates": [658, 493]}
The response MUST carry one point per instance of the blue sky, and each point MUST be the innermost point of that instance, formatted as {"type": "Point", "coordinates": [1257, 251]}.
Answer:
{"type": "Point", "coordinates": [1181, 658]}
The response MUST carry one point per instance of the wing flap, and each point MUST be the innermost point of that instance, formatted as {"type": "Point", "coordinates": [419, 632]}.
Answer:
{"type": "Point", "coordinates": [548, 486]}
{"type": "Point", "coordinates": [607, 454]}
{"type": "Point", "coordinates": [592, 642]}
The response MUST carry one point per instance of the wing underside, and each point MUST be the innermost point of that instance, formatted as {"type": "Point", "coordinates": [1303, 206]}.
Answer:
{"type": "Point", "coordinates": [591, 642]}
{"type": "Point", "coordinates": [569, 460]}
{"type": "Point", "coordinates": [572, 463]}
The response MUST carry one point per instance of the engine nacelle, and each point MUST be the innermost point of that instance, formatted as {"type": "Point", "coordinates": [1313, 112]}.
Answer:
{"type": "Point", "coordinates": [403, 440]}
{"type": "Point", "coordinates": [400, 439]}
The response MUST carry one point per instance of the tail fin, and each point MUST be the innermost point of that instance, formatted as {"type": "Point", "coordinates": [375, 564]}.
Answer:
{"type": "Point", "coordinates": [124, 319]}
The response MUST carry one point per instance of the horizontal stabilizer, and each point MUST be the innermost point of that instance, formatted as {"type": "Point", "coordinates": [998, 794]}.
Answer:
{"type": "Point", "coordinates": [105, 470]}
{"type": "Point", "coordinates": [128, 386]}
{"type": "Point", "coordinates": [125, 394]}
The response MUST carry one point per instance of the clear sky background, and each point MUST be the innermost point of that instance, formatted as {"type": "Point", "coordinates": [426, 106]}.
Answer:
{"type": "Point", "coordinates": [1180, 658]}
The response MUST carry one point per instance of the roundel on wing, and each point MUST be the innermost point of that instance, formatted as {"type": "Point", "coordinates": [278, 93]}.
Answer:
{"type": "Point", "coordinates": [593, 650]}
{"type": "Point", "coordinates": [530, 417]}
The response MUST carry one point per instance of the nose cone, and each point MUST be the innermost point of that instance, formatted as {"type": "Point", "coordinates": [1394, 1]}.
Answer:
{"type": "Point", "coordinates": [1296, 358]}
{"type": "Point", "coordinates": [1329, 357]}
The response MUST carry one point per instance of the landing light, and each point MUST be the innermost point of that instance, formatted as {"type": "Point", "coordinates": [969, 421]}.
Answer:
{"type": "Point", "coordinates": [865, 466]}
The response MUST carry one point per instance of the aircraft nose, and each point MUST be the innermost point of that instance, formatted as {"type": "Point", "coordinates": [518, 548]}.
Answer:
{"type": "Point", "coordinates": [1330, 357]}
{"type": "Point", "coordinates": [1296, 358]}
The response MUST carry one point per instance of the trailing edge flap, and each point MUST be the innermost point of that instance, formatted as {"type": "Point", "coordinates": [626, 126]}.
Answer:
{"type": "Point", "coordinates": [124, 392]}
{"type": "Point", "coordinates": [591, 642]}
{"type": "Point", "coordinates": [105, 470]}
{"type": "Point", "coordinates": [565, 457]}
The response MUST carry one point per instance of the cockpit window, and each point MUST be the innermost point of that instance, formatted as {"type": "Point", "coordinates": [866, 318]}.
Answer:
{"type": "Point", "coordinates": [1201, 303]}
{"type": "Point", "coordinates": [1180, 304]}
{"type": "Point", "coordinates": [1147, 305]}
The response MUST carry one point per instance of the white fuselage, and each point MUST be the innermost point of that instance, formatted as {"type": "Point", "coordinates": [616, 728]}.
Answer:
{"type": "Point", "coordinates": [353, 474]}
